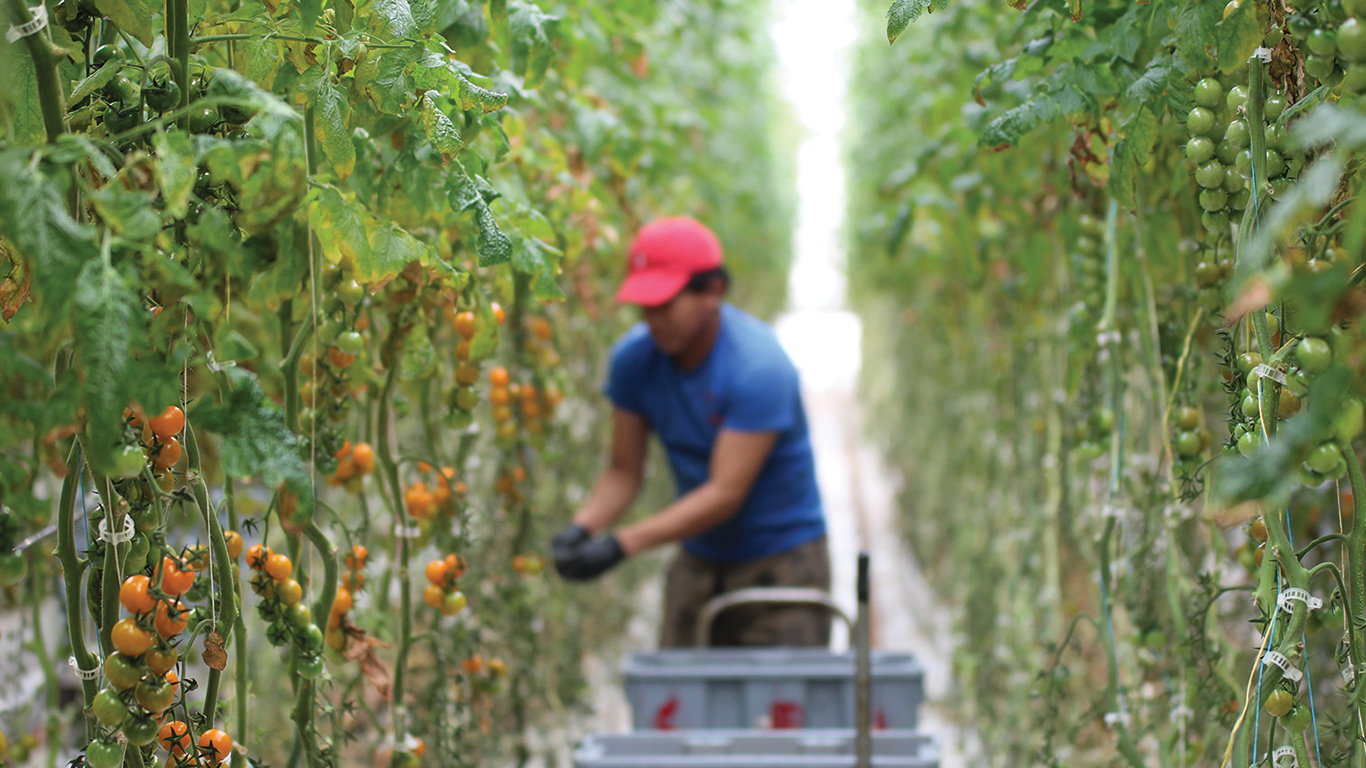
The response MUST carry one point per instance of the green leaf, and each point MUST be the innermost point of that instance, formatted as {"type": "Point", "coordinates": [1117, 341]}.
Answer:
{"type": "Point", "coordinates": [106, 315]}
{"type": "Point", "coordinates": [1195, 25]}
{"type": "Point", "coordinates": [472, 96]}
{"type": "Point", "coordinates": [127, 212]}
{"type": "Point", "coordinates": [1238, 35]}
{"type": "Point", "coordinates": [1152, 84]}
{"type": "Point", "coordinates": [441, 132]}
{"type": "Point", "coordinates": [97, 80]}
{"type": "Point", "coordinates": [330, 113]}
{"type": "Point", "coordinates": [382, 75]}
{"type": "Point", "coordinates": [533, 41]}
{"type": "Point", "coordinates": [396, 15]}
{"type": "Point", "coordinates": [262, 57]}
{"type": "Point", "coordinates": [25, 103]}
{"type": "Point", "coordinates": [419, 359]}
{"type": "Point", "coordinates": [176, 174]}
{"type": "Point", "coordinates": [493, 244]}
{"type": "Point", "coordinates": [391, 250]}
{"type": "Point", "coordinates": [338, 222]}
{"type": "Point", "coordinates": [1044, 108]}
{"type": "Point", "coordinates": [485, 341]}
{"type": "Point", "coordinates": [131, 16]}
{"type": "Point", "coordinates": [309, 13]}
{"type": "Point", "coordinates": [1132, 152]}
{"type": "Point", "coordinates": [542, 262]}
{"type": "Point", "coordinates": [901, 14]}
{"type": "Point", "coordinates": [498, 9]}
{"type": "Point", "coordinates": [255, 438]}
{"type": "Point", "coordinates": [34, 218]}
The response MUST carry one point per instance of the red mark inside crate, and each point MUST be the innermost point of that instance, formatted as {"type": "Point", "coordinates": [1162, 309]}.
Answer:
{"type": "Point", "coordinates": [664, 716]}
{"type": "Point", "coordinates": [786, 714]}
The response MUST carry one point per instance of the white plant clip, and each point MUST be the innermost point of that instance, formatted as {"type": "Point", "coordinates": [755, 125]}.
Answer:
{"type": "Point", "coordinates": [1112, 510]}
{"type": "Point", "coordinates": [407, 531]}
{"type": "Point", "coordinates": [1278, 659]}
{"type": "Point", "coordinates": [1294, 594]}
{"type": "Point", "coordinates": [1115, 719]}
{"type": "Point", "coordinates": [1180, 713]}
{"type": "Point", "coordinates": [1262, 53]}
{"type": "Point", "coordinates": [1264, 371]}
{"type": "Point", "coordinates": [1283, 752]}
{"type": "Point", "coordinates": [17, 32]}
{"type": "Point", "coordinates": [122, 537]}
{"type": "Point", "coordinates": [1348, 675]}
{"type": "Point", "coordinates": [84, 674]}
{"type": "Point", "coordinates": [1106, 338]}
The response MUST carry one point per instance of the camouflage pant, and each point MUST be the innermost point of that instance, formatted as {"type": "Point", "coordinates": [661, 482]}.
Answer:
{"type": "Point", "coordinates": [692, 581]}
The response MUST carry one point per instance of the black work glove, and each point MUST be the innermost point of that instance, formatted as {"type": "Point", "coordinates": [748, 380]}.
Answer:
{"type": "Point", "coordinates": [592, 558]}
{"type": "Point", "coordinates": [566, 543]}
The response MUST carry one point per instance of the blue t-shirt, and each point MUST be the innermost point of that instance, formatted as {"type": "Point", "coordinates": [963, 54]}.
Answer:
{"type": "Point", "coordinates": [748, 384]}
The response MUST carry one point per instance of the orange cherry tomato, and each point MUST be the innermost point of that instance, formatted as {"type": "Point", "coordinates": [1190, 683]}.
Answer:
{"type": "Point", "coordinates": [364, 457]}
{"type": "Point", "coordinates": [129, 639]}
{"type": "Point", "coordinates": [498, 312]}
{"type": "Point", "coordinates": [499, 396]}
{"type": "Point", "coordinates": [466, 374]}
{"type": "Point", "coordinates": [464, 324]}
{"type": "Point", "coordinates": [279, 566]}
{"type": "Point", "coordinates": [434, 596]}
{"type": "Point", "coordinates": [339, 359]}
{"type": "Point", "coordinates": [168, 453]}
{"type": "Point", "coordinates": [168, 424]}
{"type": "Point", "coordinates": [134, 595]}
{"type": "Point", "coordinates": [174, 736]}
{"type": "Point", "coordinates": [214, 745]}
{"type": "Point", "coordinates": [257, 555]}
{"type": "Point", "coordinates": [436, 572]}
{"type": "Point", "coordinates": [172, 678]}
{"type": "Point", "coordinates": [355, 559]}
{"type": "Point", "coordinates": [499, 377]}
{"type": "Point", "coordinates": [342, 602]}
{"type": "Point", "coordinates": [171, 619]}
{"type": "Point", "coordinates": [234, 541]}
{"type": "Point", "coordinates": [174, 580]}
{"type": "Point", "coordinates": [343, 451]}
{"type": "Point", "coordinates": [455, 565]}
{"type": "Point", "coordinates": [354, 581]}
{"type": "Point", "coordinates": [289, 591]}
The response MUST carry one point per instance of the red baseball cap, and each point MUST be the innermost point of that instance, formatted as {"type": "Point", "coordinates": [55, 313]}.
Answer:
{"type": "Point", "coordinates": [664, 256]}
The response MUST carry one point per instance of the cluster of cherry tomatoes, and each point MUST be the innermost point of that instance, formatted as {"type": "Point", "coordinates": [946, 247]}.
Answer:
{"type": "Point", "coordinates": [283, 608]}
{"type": "Point", "coordinates": [353, 464]}
{"type": "Point", "coordinates": [435, 494]}
{"type": "Point", "coordinates": [442, 591]}
{"type": "Point", "coordinates": [345, 600]}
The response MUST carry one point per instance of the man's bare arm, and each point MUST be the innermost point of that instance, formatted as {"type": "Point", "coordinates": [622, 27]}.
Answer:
{"type": "Point", "coordinates": [736, 461]}
{"type": "Point", "coordinates": [618, 484]}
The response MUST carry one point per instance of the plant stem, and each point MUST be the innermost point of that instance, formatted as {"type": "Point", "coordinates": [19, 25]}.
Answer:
{"type": "Point", "coordinates": [386, 460]}
{"type": "Point", "coordinates": [50, 98]}
{"type": "Point", "coordinates": [71, 574]}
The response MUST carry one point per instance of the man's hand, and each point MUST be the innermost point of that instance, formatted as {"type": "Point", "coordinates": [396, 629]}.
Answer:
{"type": "Point", "coordinates": [592, 558]}
{"type": "Point", "coordinates": [566, 543]}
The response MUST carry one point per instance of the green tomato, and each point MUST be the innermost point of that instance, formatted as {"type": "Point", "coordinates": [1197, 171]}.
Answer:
{"type": "Point", "coordinates": [108, 708]}
{"type": "Point", "coordinates": [1318, 67]}
{"type": "Point", "coordinates": [1237, 199]}
{"type": "Point", "coordinates": [129, 461]}
{"type": "Point", "coordinates": [1351, 40]}
{"type": "Point", "coordinates": [350, 292]}
{"type": "Point", "coordinates": [1238, 134]}
{"type": "Point", "coordinates": [1321, 43]}
{"type": "Point", "coordinates": [1237, 97]}
{"type": "Point", "coordinates": [104, 754]}
{"type": "Point", "coordinates": [1214, 221]}
{"type": "Point", "coordinates": [145, 520]}
{"type": "Point", "coordinates": [1274, 106]}
{"type": "Point", "coordinates": [1186, 443]}
{"type": "Point", "coordinates": [13, 567]}
{"type": "Point", "coordinates": [1349, 420]}
{"type": "Point", "coordinates": [1249, 407]}
{"type": "Point", "coordinates": [155, 696]}
{"type": "Point", "coordinates": [1200, 122]}
{"type": "Point", "coordinates": [311, 666]}
{"type": "Point", "coordinates": [140, 730]}
{"type": "Point", "coordinates": [1314, 354]}
{"type": "Point", "coordinates": [1213, 199]}
{"type": "Point", "coordinates": [122, 672]}
{"type": "Point", "coordinates": [162, 95]}
{"type": "Point", "coordinates": [1226, 152]}
{"type": "Point", "coordinates": [298, 617]}
{"type": "Point", "coordinates": [1247, 361]}
{"type": "Point", "coordinates": [118, 120]}
{"type": "Point", "coordinates": [351, 342]}
{"type": "Point", "coordinates": [122, 90]}
{"type": "Point", "coordinates": [1279, 702]}
{"type": "Point", "coordinates": [1243, 163]}
{"type": "Point", "coordinates": [1354, 79]}
{"type": "Point", "coordinates": [1199, 149]}
{"type": "Point", "coordinates": [1275, 164]}
{"type": "Point", "coordinates": [1247, 444]}
{"type": "Point", "coordinates": [1297, 719]}
{"type": "Point", "coordinates": [203, 120]}
{"type": "Point", "coordinates": [1308, 477]}
{"type": "Point", "coordinates": [1275, 137]}
{"type": "Point", "coordinates": [1210, 175]}
{"type": "Point", "coordinates": [105, 54]}
{"type": "Point", "coordinates": [1208, 93]}
{"type": "Point", "coordinates": [1324, 458]}
{"type": "Point", "coordinates": [311, 639]}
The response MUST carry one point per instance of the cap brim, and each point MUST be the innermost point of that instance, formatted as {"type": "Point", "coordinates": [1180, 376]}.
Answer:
{"type": "Point", "coordinates": [651, 288]}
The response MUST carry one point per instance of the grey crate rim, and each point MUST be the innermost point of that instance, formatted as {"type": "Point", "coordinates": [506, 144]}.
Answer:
{"type": "Point", "coordinates": [768, 662]}
{"type": "Point", "coordinates": [737, 748]}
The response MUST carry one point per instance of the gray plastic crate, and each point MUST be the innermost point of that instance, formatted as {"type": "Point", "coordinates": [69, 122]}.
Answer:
{"type": "Point", "coordinates": [748, 749]}
{"type": "Point", "coordinates": [767, 688]}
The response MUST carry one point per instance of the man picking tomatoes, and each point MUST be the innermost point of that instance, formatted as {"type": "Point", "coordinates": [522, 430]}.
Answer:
{"type": "Point", "coordinates": [723, 397]}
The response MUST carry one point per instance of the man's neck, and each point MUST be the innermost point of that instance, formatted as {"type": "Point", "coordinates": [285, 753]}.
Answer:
{"type": "Point", "coordinates": [696, 354]}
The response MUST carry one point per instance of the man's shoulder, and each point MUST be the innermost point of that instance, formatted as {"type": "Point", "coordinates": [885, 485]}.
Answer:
{"type": "Point", "coordinates": [755, 346]}
{"type": "Point", "coordinates": [634, 347]}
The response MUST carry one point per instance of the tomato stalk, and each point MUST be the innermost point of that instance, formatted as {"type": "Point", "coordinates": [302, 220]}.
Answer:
{"type": "Point", "coordinates": [50, 98]}
{"type": "Point", "coordinates": [405, 629]}
{"type": "Point", "coordinates": [72, 566]}
{"type": "Point", "coordinates": [114, 515]}
{"type": "Point", "coordinates": [304, 708]}
{"type": "Point", "coordinates": [222, 567]}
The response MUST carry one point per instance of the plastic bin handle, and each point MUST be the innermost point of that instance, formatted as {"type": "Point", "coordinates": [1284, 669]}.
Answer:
{"type": "Point", "coordinates": [750, 595]}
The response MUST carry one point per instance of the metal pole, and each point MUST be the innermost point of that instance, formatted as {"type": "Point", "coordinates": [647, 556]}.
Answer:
{"type": "Point", "coordinates": [863, 675]}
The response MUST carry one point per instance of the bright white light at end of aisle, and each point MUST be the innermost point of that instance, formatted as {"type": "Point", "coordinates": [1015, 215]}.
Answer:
{"type": "Point", "coordinates": [812, 39]}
